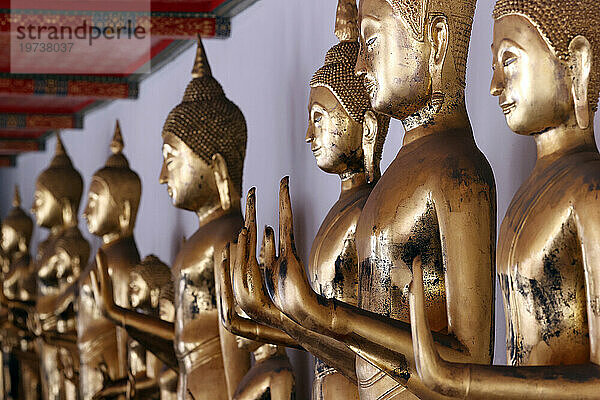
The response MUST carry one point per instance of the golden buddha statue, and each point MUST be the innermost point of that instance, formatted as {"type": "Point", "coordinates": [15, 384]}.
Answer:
{"type": "Point", "coordinates": [56, 201]}
{"type": "Point", "coordinates": [204, 145]}
{"type": "Point", "coordinates": [111, 211]}
{"type": "Point", "coordinates": [437, 200]}
{"type": "Point", "coordinates": [547, 80]}
{"type": "Point", "coordinates": [17, 229]}
{"type": "Point", "coordinates": [150, 293]}
{"type": "Point", "coordinates": [339, 113]}
{"type": "Point", "coordinates": [18, 295]}
{"type": "Point", "coordinates": [58, 325]}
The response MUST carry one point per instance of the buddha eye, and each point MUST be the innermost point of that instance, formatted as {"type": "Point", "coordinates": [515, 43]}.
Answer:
{"type": "Point", "coordinates": [510, 61]}
{"type": "Point", "coordinates": [317, 118]}
{"type": "Point", "coordinates": [371, 41]}
{"type": "Point", "coordinates": [508, 58]}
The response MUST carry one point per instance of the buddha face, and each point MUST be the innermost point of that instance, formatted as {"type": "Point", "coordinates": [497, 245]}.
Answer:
{"type": "Point", "coordinates": [139, 292]}
{"type": "Point", "coordinates": [9, 239]}
{"type": "Point", "coordinates": [531, 83]}
{"type": "Point", "coordinates": [46, 208]}
{"type": "Point", "coordinates": [334, 137]}
{"type": "Point", "coordinates": [395, 65]}
{"type": "Point", "coordinates": [101, 212]}
{"type": "Point", "coordinates": [190, 180]}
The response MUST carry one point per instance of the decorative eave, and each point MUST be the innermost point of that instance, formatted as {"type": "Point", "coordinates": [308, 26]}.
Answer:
{"type": "Point", "coordinates": [32, 106]}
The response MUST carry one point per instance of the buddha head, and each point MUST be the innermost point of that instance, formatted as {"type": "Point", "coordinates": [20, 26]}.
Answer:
{"type": "Point", "coordinates": [204, 144]}
{"type": "Point", "coordinates": [114, 194]}
{"type": "Point", "coordinates": [58, 191]}
{"type": "Point", "coordinates": [72, 253]}
{"type": "Point", "coordinates": [17, 228]}
{"type": "Point", "coordinates": [147, 282]}
{"type": "Point", "coordinates": [345, 134]}
{"type": "Point", "coordinates": [546, 63]}
{"type": "Point", "coordinates": [413, 53]}
{"type": "Point", "coordinates": [63, 266]}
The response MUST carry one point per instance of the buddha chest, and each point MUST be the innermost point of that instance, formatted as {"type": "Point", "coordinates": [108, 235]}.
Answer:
{"type": "Point", "coordinates": [196, 321]}
{"type": "Point", "coordinates": [333, 266]}
{"type": "Point", "coordinates": [541, 265]}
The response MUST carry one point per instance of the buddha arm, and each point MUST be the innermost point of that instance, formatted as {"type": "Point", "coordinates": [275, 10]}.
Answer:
{"type": "Point", "coordinates": [162, 348]}
{"type": "Point", "coordinates": [65, 299]}
{"type": "Point", "coordinates": [132, 320]}
{"type": "Point", "coordinates": [470, 381]}
{"type": "Point", "coordinates": [154, 333]}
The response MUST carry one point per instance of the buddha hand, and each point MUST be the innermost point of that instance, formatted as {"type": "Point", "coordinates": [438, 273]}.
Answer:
{"type": "Point", "coordinates": [285, 275]}
{"type": "Point", "coordinates": [247, 278]}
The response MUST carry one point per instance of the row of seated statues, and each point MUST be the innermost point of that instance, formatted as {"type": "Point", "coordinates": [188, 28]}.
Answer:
{"type": "Point", "coordinates": [396, 300]}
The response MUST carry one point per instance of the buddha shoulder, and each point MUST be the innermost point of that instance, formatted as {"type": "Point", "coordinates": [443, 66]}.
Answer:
{"type": "Point", "coordinates": [343, 216]}
{"type": "Point", "coordinates": [201, 246]}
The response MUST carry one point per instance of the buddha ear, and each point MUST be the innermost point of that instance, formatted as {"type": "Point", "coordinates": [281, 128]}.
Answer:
{"type": "Point", "coordinates": [369, 140]}
{"type": "Point", "coordinates": [68, 214]}
{"type": "Point", "coordinates": [580, 63]}
{"type": "Point", "coordinates": [22, 244]}
{"type": "Point", "coordinates": [438, 39]}
{"type": "Point", "coordinates": [76, 269]}
{"type": "Point", "coordinates": [125, 217]}
{"type": "Point", "coordinates": [154, 297]}
{"type": "Point", "coordinates": [224, 186]}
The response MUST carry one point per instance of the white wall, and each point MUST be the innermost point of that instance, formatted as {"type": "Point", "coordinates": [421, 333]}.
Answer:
{"type": "Point", "coordinates": [265, 68]}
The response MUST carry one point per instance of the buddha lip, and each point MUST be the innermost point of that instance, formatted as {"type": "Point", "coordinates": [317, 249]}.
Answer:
{"type": "Point", "coordinates": [507, 107]}
{"type": "Point", "coordinates": [316, 149]}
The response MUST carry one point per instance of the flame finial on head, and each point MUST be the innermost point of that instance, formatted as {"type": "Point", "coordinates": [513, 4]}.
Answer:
{"type": "Point", "coordinates": [60, 147]}
{"type": "Point", "coordinates": [18, 219]}
{"type": "Point", "coordinates": [117, 145]}
{"type": "Point", "coordinates": [61, 158]}
{"type": "Point", "coordinates": [61, 178]}
{"type": "Point", "coordinates": [117, 159]}
{"type": "Point", "coordinates": [17, 197]}
{"type": "Point", "coordinates": [346, 21]}
{"type": "Point", "coordinates": [201, 66]}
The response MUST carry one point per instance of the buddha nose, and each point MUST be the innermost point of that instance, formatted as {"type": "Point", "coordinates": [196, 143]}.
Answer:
{"type": "Point", "coordinates": [497, 84]}
{"type": "Point", "coordinates": [162, 178]}
{"type": "Point", "coordinates": [310, 133]}
{"type": "Point", "coordinates": [361, 67]}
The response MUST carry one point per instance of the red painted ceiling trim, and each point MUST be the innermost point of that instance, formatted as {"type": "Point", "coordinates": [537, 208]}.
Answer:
{"type": "Point", "coordinates": [7, 161]}
{"type": "Point", "coordinates": [19, 146]}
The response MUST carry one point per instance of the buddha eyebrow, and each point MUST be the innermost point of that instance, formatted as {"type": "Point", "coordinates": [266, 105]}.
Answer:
{"type": "Point", "coordinates": [316, 104]}
{"type": "Point", "coordinates": [169, 149]}
{"type": "Point", "coordinates": [369, 17]}
{"type": "Point", "coordinates": [511, 43]}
